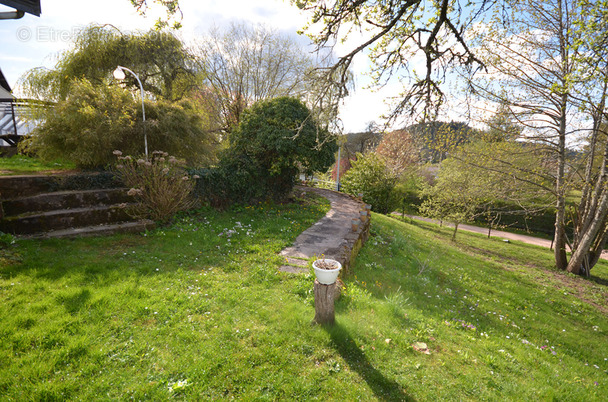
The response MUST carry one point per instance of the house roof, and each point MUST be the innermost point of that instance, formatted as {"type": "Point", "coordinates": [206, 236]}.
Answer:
{"type": "Point", "coordinates": [28, 6]}
{"type": "Point", "coordinates": [4, 82]}
{"type": "Point", "coordinates": [5, 89]}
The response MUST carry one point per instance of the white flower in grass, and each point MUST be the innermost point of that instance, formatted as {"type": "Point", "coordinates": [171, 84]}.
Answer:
{"type": "Point", "coordinates": [178, 385]}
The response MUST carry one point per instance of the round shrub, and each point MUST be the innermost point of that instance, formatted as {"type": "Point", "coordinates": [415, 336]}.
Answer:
{"type": "Point", "coordinates": [371, 177]}
{"type": "Point", "coordinates": [275, 140]}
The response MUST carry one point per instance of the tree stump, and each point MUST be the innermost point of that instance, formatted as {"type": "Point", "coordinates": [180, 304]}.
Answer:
{"type": "Point", "coordinates": [324, 303]}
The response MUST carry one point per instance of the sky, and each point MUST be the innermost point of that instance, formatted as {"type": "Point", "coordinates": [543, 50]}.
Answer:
{"type": "Point", "coordinates": [36, 41]}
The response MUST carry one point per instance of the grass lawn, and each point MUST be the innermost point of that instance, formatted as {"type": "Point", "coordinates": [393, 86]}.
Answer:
{"type": "Point", "coordinates": [199, 311]}
{"type": "Point", "coordinates": [20, 164]}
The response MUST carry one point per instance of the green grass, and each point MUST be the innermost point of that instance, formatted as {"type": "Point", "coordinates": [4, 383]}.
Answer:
{"type": "Point", "coordinates": [20, 164]}
{"type": "Point", "coordinates": [198, 311]}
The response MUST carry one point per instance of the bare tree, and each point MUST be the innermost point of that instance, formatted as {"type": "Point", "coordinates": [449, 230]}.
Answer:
{"type": "Point", "coordinates": [545, 72]}
{"type": "Point", "coordinates": [394, 32]}
{"type": "Point", "coordinates": [246, 63]}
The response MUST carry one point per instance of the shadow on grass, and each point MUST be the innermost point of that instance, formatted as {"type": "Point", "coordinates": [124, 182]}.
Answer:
{"type": "Point", "coordinates": [382, 387]}
{"type": "Point", "coordinates": [598, 280]}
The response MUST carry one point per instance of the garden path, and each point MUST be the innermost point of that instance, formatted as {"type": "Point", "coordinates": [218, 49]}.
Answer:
{"type": "Point", "coordinates": [330, 236]}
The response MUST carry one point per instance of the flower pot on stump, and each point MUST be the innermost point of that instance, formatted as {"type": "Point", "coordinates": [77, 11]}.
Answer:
{"type": "Point", "coordinates": [326, 272]}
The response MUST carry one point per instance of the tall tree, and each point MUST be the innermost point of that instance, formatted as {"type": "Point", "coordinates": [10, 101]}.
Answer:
{"type": "Point", "coordinates": [160, 59]}
{"type": "Point", "coordinates": [546, 68]}
{"type": "Point", "coordinates": [529, 68]}
{"type": "Point", "coordinates": [591, 46]}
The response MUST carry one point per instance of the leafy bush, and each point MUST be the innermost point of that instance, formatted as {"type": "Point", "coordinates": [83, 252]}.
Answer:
{"type": "Point", "coordinates": [160, 186]}
{"type": "Point", "coordinates": [371, 177]}
{"type": "Point", "coordinates": [96, 119]}
{"type": "Point", "coordinates": [232, 182]}
{"type": "Point", "coordinates": [6, 239]}
{"type": "Point", "coordinates": [275, 140]}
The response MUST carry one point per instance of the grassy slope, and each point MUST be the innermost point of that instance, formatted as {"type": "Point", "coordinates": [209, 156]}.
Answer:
{"type": "Point", "coordinates": [130, 316]}
{"type": "Point", "coordinates": [535, 331]}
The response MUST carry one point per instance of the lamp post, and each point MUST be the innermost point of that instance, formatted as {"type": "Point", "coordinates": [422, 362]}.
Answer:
{"type": "Point", "coordinates": [119, 74]}
{"type": "Point", "coordinates": [338, 172]}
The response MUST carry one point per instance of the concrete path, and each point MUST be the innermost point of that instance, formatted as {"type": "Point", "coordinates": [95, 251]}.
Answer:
{"type": "Point", "coordinates": [496, 233]}
{"type": "Point", "coordinates": [329, 236]}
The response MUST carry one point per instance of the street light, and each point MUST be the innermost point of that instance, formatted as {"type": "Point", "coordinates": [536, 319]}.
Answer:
{"type": "Point", "coordinates": [119, 74]}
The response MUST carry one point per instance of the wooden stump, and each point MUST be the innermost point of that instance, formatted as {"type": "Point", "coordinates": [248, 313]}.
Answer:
{"type": "Point", "coordinates": [324, 303]}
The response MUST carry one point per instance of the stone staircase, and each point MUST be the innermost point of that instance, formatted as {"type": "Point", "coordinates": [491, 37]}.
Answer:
{"type": "Point", "coordinates": [66, 205]}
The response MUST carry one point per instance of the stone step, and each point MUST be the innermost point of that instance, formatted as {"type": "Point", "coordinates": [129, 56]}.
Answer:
{"type": "Point", "coordinates": [63, 219]}
{"type": "Point", "coordinates": [28, 185]}
{"type": "Point", "coordinates": [64, 200]}
{"type": "Point", "coordinates": [98, 230]}
{"type": "Point", "coordinates": [293, 270]}
{"type": "Point", "coordinates": [296, 262]}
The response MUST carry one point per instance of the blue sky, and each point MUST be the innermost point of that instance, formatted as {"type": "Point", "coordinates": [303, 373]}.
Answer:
{"type": "Point", "coordinates": [35, 41]}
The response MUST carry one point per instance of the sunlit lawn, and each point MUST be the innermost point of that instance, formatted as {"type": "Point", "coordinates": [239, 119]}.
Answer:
{"type": "Point", "coordinates": [199, 311]}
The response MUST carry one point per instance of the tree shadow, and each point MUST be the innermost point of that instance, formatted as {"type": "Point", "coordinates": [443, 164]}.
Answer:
{"type": "Point", "coordinates": [598, 280]}
{"type": "Point", "coordinates": [383, 388]}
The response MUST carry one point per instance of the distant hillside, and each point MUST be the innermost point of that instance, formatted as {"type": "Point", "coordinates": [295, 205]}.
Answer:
{"type": "Point", "coordinates": [361, 142]}
{"type": "Point", "coordinates": [437, 139]}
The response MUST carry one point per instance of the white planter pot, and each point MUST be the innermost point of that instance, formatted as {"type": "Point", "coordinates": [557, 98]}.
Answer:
{"type": "Point", "coordinates": [327, 276]}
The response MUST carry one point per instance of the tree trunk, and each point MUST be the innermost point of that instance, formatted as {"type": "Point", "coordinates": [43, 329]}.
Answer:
{"type": "Point", "coordinates": [587, 238]}
{"type": "Point", "coordinates": [455, 230]}
{"type": "Point", "coordinates": [324, 303]}
{"type": "Point", "coordinates": [596, 253]}
{"type": "Point", "coordinates": [590, 231]}
{"type": "Point", "coordinates": [561, 260]}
